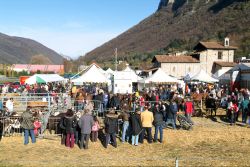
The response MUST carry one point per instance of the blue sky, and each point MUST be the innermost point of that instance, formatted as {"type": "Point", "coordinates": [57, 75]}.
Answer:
{"type": "Point", "coordinates": [72, 27]}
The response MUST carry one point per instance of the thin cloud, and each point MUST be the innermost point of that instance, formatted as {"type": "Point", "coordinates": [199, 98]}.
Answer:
{"type": "Point", "coordinates": [74, 25]}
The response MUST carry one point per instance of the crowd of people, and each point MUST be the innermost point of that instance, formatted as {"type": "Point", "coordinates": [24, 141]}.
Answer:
{"type": "Point", "coordinates": [131, 126]}
{"type": "Point", "coordinates": [132, 116]}
{"type": "Point", "coordinates": [35, 89]}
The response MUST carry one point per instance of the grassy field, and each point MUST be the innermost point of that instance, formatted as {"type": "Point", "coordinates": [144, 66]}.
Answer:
{"type": "Point", "coordinates": [210, 143]}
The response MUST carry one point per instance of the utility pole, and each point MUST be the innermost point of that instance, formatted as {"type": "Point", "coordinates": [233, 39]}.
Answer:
{"type": "Point", "coordinates": [116, 59]}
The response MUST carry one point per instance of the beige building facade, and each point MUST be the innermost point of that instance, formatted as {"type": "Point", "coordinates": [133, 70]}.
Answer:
{"type": "Point", "coordinates": [179, 69]}
{"type": "Point", "coordinates": [209, 56]}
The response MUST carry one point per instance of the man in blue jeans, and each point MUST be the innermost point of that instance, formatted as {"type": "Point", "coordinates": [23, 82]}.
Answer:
{"type": "Point", "coordinates": [158, 122]}
{"type": "Point", "coordinates": [27, 123]}
{"type": "Point", "coordinates": [171, 114]}
{"type": "Point", "coordinates": [147, 119]}
{"type": "Point", "coordinates": [125, 127]}
{"type": "Point", "coordinates": [1, 108]}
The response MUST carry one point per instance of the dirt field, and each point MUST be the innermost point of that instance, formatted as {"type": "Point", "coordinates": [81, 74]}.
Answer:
{"type": "Point", "coordinates": [208, 144]}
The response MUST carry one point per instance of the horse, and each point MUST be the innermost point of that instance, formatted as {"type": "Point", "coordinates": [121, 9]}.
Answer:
{"type": "Point", "coordinates": [54, 123]}
{"type": "Point", "coordinates": [197, 101]}
{"type": "Point", "coordinates": [211, 105]}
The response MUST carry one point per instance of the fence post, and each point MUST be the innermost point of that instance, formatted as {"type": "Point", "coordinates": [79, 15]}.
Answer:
{"type": "Point", "coordinates": [201, 105]}
{"type": "Point", "coordinates": [26, 101]}
{"type": "Point", "coordinates": [49, 101]}
{"type": "Point", "coordinates": [176, 162]}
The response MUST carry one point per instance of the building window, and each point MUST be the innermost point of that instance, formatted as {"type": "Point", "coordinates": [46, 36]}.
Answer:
{"type": "Point", "coordinates": [189, 69]}
{"type": "Point", "coordinates": [174, 69]}
{"type": "Point", "coordinates": [219, 55]}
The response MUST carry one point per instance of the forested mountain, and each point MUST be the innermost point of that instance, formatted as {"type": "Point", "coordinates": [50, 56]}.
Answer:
{"type": "Point", "coordinates": [17, 50]}
{"type": "Point", "coordinates": [179, 25]}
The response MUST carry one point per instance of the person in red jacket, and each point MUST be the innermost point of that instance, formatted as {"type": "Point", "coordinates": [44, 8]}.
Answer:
{"type": "Point", "coordinates": [142, 103]}
{"type": "Point", "coordinates": [233, 110]}
{"type": "Point", "coordinates": [37, 126]}
{"type": "Point", "coordinates": [189, 109]}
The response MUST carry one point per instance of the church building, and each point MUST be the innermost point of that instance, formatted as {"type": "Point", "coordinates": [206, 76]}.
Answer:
{"type": "Point", "coordinates": [212, 57]}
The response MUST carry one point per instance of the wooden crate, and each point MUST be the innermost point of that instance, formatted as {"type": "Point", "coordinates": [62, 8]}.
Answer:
{"type": "Point", "coordinates": [9, 95]}
{"type": "Point", "coordinates": [37, 104]}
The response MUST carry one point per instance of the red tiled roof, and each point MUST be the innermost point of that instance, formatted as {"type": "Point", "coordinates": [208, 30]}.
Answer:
{"type": "Point", "coordinates": [42, 68]}
{"type": "Point", "coordinates": [150, 69]}
{"type": "Point", "coordinates": [216, 45]}
{"type": "Point", "coordinates": [20, 66]}
{"type": "Point", "coordinates": [175, 59]}
{"type": "Point", "coordinates": [225, 64]}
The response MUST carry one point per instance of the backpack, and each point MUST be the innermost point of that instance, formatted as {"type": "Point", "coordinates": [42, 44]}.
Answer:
{"type": "Point", "coordinates": [95, 127]}
{"type": "Point", "coordinates": [61, 124]}
{"type": "Point", "coordinates": [174, 107]}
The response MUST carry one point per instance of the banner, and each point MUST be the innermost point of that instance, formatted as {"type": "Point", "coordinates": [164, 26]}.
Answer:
{"type": "Point", "coordinates": [235, 76]}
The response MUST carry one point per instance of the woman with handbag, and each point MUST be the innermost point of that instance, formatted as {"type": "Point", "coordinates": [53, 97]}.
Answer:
{"type": "Point", "coordinates": [136, 126]}
{"type": "Point", "coordinates": [70, 124]}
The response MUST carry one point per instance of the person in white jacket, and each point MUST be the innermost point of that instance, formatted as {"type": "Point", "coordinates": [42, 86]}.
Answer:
{"type": "Point", "coordinates": [9, 106]}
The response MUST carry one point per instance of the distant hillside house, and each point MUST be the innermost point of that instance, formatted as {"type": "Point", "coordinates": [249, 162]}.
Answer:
{"type": "Point", "coordinates": [57, 69]}
{"type": "Point", "coordinates": [209, 56]}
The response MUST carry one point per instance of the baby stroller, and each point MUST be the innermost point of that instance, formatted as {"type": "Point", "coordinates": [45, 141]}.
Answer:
{"type": "Point", "coordinates": [184, 122]}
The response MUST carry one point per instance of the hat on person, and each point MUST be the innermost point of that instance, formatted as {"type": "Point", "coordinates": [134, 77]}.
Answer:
{"type": "Point", "coordinates": [86, 111]}
{"type": "Point", "coordinates": [138, 112]}
{"type": "Point", "coordinates": [112, 111]}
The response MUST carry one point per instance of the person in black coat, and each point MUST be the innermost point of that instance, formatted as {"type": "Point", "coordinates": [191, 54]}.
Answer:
{"type": "Point", "coordinates": [211, 104]}
{"type": "Point", "coordinates": [111, 127]}
{"type": "Point", "coordinates": [63, 133]}
{"type": "Point", "coordinates": [98, 102]}
{"type": "Point", "coordinates": [70, 124]}
{"type": "Point", "coordinates": [171, 113]}
{"type": "Point", "coordinates": [136, 127]}
{"type": "Point", "coordinates": [158, 123]}
{"type": "Point", "coordinates": [115, 102]}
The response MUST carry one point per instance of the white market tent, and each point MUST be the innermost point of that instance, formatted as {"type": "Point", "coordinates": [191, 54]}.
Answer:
{"type": "Point", "coordinates": [219, 73]}
{"type": "Point", "coordinates": [109, 71]}
{"type": "Point", "coordinates": [122, 82]}
{"type": "Point", "coordinates": [160, 77]}
{"type": "Point", "coordinates": [239, 67]}
{"type": "Point", "coordinates": [44, 78]}
{"type": "Point", "coordinates": [188, 77]}
{"type": "Point", "coordinates": [92, 75]}
{"type": "Point", "coordinates": [100, 69]}
{"type": "Point", "coordinates": [202, 76]}
{"type": "Point", "coordinates": [244, 69]}
{"type": "Point", "coordinates": [128, 69]}
{"type": "Point", "coordinates": [132, 75]}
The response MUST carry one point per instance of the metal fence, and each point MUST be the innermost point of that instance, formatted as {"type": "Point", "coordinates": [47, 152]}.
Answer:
{"type": "Point", "coordinates": [10, 126]}
{"type": "Point", "coordinates": [50, 106]}
{"type": "Point", "coordinates": [50, 102]}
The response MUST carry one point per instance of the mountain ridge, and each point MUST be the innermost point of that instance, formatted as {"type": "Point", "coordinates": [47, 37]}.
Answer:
{"type": "Point", "coordinates": [19, 50]}
{"type": "Point", "coordinates": [180, 26]}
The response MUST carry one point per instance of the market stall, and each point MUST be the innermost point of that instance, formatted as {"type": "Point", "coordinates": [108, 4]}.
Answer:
{"type": "Point", "coordinates": [44, 78]}
{"type": "Point", "coordinates": [159, 77]}
{"type": "Point", "coordinates": [202, 76]}
{"type": "Point", "coordinates": [92, 75]}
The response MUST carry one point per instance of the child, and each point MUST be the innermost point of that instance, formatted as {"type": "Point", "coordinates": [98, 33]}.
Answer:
{"type": "Point", "coordinates": [232, 109]}
{"type": "Point", "coordinates": [95, 129]}
{"type": "Point", "coordinates": [37, 125]}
